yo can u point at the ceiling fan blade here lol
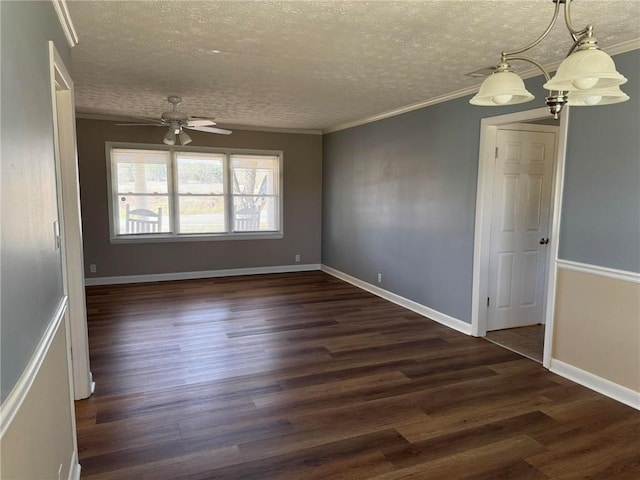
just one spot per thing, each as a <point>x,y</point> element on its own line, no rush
<point>221,131</point>
<point>139,125</point>
<point>200,122</point>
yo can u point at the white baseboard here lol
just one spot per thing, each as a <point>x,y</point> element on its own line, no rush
<point>74,468</point>
<point>599,384</point>
<point>232,272</point>
<point>420,309</point>
<point>20,390</point>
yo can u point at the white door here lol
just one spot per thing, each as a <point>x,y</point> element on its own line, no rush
<point>520,228</point>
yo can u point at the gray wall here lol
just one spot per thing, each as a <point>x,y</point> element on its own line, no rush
<point>31,270</point>
<point>601,205</point>
<point>302,207</point>
<point>399,195</point>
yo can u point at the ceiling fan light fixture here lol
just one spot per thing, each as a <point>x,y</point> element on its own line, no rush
<point>502,88</point>
<point>185,139</point>
<point>170,137</point>
<point>175,122</point>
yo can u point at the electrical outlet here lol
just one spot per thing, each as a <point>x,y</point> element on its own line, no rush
<point>379,278</point>
<point>92,268</point>
<point>297,257</point>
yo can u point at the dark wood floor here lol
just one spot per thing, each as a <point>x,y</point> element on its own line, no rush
<point>302,376</point>
<point>527,341</point>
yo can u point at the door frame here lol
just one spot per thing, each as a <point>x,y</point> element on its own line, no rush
<point>484,199</point>
<point>68,184</point>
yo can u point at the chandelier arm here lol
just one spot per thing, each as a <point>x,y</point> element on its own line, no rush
<point>575,44</point>
<point>532,61</point>
<point>540,38</point>
<point>572,30</point>
<point>542,69</point>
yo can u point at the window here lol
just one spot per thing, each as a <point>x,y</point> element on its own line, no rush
<point>166,193</point>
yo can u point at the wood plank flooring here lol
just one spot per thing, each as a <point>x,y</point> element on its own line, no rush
<point>527,341</point>
<point>302,376</point>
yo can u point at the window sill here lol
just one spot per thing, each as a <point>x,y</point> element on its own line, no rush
<point>196,238</point>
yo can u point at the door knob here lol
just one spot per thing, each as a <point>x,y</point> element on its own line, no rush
<point>544,241</point>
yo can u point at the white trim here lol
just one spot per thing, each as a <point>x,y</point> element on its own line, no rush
<point>525,74</point>
<point>66,23</point>
<point>20,390</point>
<point>400,110</point>
<point>554,236</point>
<point>482,236</point>
<point>623,47</point>
<point>232,272</point>
<point>606,272</point>
<point>211,237</point>
<point>420,309</point>
<point>74,467</point>
<point>68,191</point>
<point>601,385</point>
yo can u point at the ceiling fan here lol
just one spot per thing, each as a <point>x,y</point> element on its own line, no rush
<point>177,122</point>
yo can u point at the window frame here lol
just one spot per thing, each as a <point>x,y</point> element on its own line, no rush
<point>173,194</point>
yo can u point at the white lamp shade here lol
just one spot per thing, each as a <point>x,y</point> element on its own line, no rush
<point>502,88</point>
<point>584,70</point>
<point>597,96</point>
<point>169,138</point>
<point>185,139</point>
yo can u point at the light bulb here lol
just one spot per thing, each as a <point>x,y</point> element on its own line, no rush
<point>592,99</point>
<point>501,99</point>
<point>584,83</point>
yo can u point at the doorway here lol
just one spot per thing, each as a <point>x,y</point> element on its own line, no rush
<point>69,230</point>
<point>520,172</point>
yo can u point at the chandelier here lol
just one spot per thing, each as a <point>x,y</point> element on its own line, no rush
<point>586,77</point>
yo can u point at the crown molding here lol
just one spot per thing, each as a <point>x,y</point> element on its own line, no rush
<point>66,23</point>
<point>405,109</point>
<point>623,47</point>
<point>617,49</point>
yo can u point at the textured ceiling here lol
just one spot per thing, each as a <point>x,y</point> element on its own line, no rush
<point>308,64</point>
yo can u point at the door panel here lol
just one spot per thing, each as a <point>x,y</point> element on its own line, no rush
<point>534,203</point>
<point>505,279</point>
<point>529,276</point>
<point>520,219</point>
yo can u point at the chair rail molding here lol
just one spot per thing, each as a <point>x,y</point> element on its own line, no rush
<point>19,392</point>
<point>624,275</point>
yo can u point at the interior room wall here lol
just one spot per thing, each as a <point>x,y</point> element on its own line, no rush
<point>399,200</point>
<point>600,205</point>
<point>399,195</point>
<point>37,423</point>
<point>597,327</point>
<point>302,176</point>
<point>31,270</point>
